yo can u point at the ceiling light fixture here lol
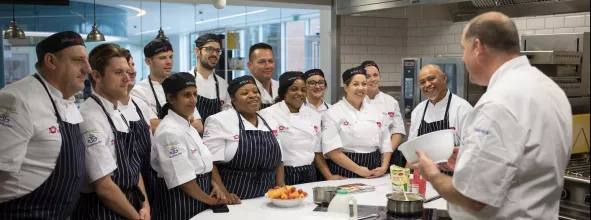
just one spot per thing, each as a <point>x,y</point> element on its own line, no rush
<point>13,31</point>
<point>95,35</point>
<point>161,32</point>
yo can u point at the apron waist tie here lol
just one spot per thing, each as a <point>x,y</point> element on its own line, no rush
<point>259,172</point>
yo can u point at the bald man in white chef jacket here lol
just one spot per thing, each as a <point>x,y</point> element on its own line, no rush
<point>516,142</point>
<point>442,110</point>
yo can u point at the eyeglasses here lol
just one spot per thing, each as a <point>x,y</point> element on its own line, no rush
<point>211,50</point>
<point>320,83</point>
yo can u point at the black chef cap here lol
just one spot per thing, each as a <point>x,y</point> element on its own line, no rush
<point>313,72</point>
<point>348,74</point>
<point>237,83</point>
<point>173,84</point>
<point>369,63</point>
<point>206,38</point>
<point>287,78</point>
<point>157,46</point>
<point>57,42</point>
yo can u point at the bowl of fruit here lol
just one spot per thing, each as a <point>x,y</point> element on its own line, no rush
<point>286,197</point>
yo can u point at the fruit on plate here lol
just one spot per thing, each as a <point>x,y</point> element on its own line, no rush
<point>286,193</point>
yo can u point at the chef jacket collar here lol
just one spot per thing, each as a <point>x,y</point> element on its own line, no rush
<point>443,100</point>
<point>56,94</point>
<point>177,118</point>
<point>518,62</point>
<point>285,109</point>
<point>362,109</point>
<point>110,107</point>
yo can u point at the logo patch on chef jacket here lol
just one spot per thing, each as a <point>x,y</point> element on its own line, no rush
<point>173,151</point>
<point>379,124</point>
<point>452,128</point>
<point>222,102</point>
<point>236,137</point>
<point>193,151</point>
<point>91,138</point>
<point>52,130</point>
<point>282,128</point>
<point>391,114</point>
<point>316,128</point>
<point>5,116</point>
<point>275,132</point>
<point>346,123</point>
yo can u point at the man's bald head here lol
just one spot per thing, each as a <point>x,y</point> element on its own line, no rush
<point>433,68</point>
<point>494,30</point>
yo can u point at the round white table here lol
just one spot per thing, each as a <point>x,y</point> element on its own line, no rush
<point>261,208</point>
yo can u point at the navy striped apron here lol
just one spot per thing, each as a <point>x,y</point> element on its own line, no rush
<point>319,176</point>
<point>251,173</point>
<point>175,204</point>
<point>207,107</point>
<point>126,176</point>
<point>370,160</point>
<point>158,106</point>
<point>426,128</point>
<point>56,198</point>
<point>141,130</point>
<point>300,175</point>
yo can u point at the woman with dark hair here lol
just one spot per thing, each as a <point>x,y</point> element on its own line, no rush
<point>299,129</point>
<point>244,144</point>
<point>355,137</point>
<point>180,157</point>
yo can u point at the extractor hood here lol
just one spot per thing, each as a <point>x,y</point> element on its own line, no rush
<point>457,10</point>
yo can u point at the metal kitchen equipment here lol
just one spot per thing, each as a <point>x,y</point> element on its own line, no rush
<point>457,82</point>
<point>398,205</point>
<point>565,59</point>
<point>323,194</point>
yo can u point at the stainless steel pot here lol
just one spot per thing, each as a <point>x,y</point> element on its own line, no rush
<point>324,194</point>
<point>397,204</point>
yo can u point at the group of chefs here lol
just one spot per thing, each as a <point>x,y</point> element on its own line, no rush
<point>176,144</point>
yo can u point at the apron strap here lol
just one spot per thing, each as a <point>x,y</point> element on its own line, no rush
<point>108,116</point>
<point>158,106</point>
<point>217,86</point>
<point>57,114</point>
<point>446,117</point>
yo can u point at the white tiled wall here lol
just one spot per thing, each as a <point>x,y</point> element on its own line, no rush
<point>382,40</point>
<point>387,41</point>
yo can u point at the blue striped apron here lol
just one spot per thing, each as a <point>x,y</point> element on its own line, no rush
<point>426,128</point>
<point>208,107</point>
<point>129,159</point>
<point>370,160</point>
<point>142,131</point>
<point>175,204</point>
<point>251,173</point>
<point>300,175</point>
<point>56,198</point>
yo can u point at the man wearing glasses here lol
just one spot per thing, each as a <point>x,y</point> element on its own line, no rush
<point>316,87</point>
<point>212,95</point>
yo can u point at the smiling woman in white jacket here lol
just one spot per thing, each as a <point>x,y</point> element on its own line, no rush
<point>355,136</point>
<point>299,129</point>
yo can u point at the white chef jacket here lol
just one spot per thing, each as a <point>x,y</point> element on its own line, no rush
<point>30,135</point>
<point>515,147</point>
<point>180,154</point>
<point>458,110</point>
<point>99,139</point>
<point>363,131</point>
<point>265,97</point>
<point>130,113</point>
<point>391,110</point>
<point>142,91</point>
<point>321,109</point>
<point>206,88</point>
<point>221,133</point>
<point>299,133</point>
